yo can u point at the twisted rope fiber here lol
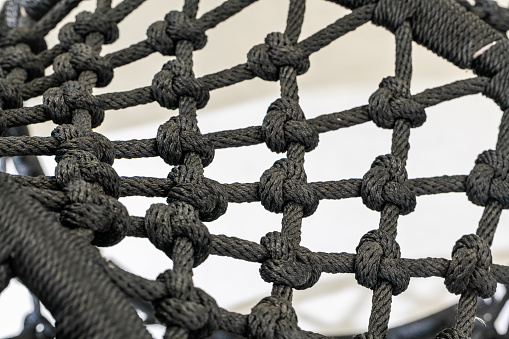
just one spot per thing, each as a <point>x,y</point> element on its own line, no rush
<point>57,258</point>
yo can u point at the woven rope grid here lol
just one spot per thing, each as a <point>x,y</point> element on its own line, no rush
<point>85,188</point>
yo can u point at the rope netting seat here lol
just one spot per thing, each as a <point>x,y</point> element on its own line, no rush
<point>51,226</point>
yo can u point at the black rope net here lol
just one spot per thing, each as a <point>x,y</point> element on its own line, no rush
<point>50,225</point>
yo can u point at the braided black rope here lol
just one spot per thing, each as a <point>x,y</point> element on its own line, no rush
<point>57,258</point>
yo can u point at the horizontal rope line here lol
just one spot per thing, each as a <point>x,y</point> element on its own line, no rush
<point>334,263</point>
<point>48,188</point>
<point>309,46</point>
<point>15,146</point>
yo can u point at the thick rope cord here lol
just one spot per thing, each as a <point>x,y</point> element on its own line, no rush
<point>39,252</point>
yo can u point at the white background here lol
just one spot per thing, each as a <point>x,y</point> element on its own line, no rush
<point>343,75</point>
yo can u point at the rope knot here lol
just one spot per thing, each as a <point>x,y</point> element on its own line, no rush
<point>450,333</point>
<point>181,27</point>
<point>470,267</point>
<point>276,245</point>
<point>489,179</point>
<point>285,123</point>
<point>300,273</point>
<point>198,313</point>
<point>177,284</point>
<point>175,81</point>
<point>87,23</point>
<point>273,318</point>
<point>68,36</point>
<point>24,35</point>
<point>95,143</point>
<point>175,141</point>
<point>60,102</point>
<point>105,215</point>
<point>393,13</point>
<point>392,101</point>
<point>166,223</point>
<point>81,58</point>
<point>386,182</point>
<point>286,182</point>
<point>205,195</point>
<point>21,56</point>
<point>159,39</point>
<point>266,59</point>
<point>65,132</point>
<point>10,95</point>
<point>376,260</point>
<point>82,165</point>
<point>163,36</point>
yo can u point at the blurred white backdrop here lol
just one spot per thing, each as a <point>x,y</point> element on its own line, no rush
<point>343,75</point>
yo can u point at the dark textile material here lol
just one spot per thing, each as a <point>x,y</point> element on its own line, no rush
<point>49,226</point>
